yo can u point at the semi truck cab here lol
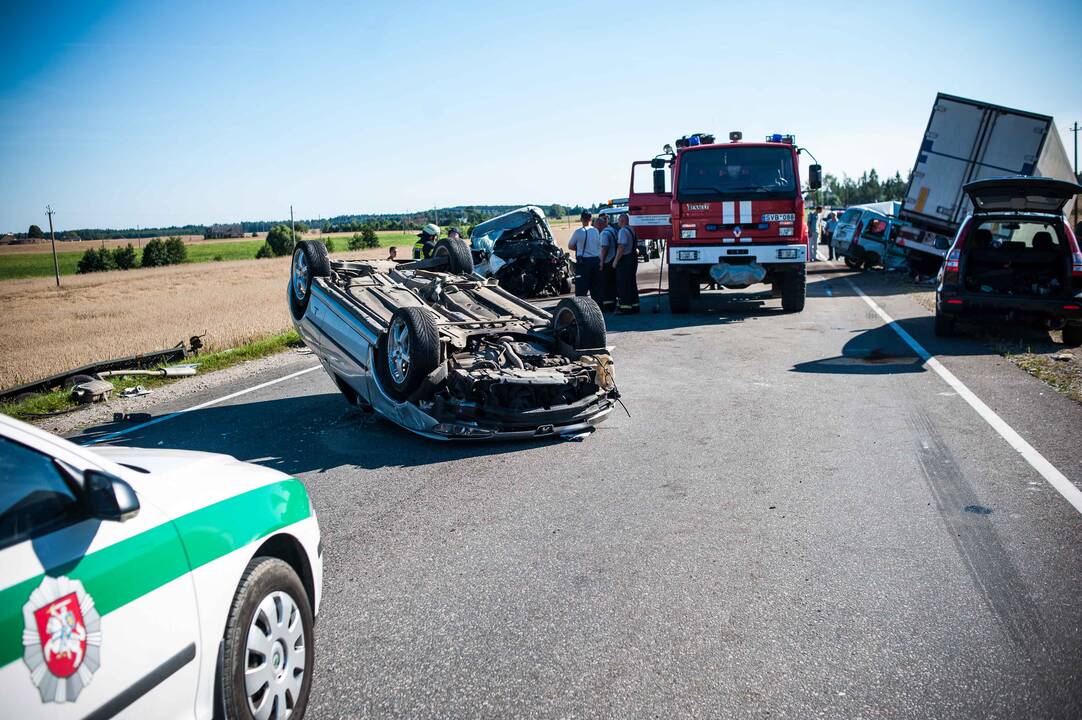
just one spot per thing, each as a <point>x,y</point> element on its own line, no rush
<point>730,214</point>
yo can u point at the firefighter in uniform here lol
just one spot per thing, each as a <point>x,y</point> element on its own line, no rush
<point>608,272</point>
<point>426,241</point>
<point>626,265</point>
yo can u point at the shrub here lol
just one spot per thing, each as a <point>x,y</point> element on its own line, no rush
<point>124,257</point>
<point>330,244</point>
<point>369,239</point>
<point>281,240</point>
<point>356,242</point>
<point>264,251</point>
<point>35,232</point>
<point>96,261</point>
<point>217,258</point>
<point>175,250</point>
<point>154,254</point>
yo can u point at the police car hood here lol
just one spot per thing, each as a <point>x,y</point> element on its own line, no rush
<point>179,481</point>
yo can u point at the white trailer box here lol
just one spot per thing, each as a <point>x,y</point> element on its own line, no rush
<point>968,140</point>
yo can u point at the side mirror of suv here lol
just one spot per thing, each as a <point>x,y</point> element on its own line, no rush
<point>815,176</point>
<point>107,497</point>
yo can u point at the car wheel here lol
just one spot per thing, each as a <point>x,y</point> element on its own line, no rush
<point>1072,335</point>
<point>578,322</point>
<point>944,325</point>
<point>679,291</point>
<point>310,261</point>
<point>852,263</point>
<point>457,254</point>
<point>268,651</point>
<point>794,290</point>
<point>411,349</point>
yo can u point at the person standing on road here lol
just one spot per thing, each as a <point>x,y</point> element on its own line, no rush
<point>815,229</point>
<point>609,241</point>
<point>586,242</point>
<point>426,241</point>
<point>626,265</point>
<point>828,233</point>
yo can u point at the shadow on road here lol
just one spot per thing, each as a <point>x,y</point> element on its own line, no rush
<point>302,433</point>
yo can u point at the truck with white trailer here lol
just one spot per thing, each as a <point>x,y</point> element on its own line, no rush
<point>969,140</point>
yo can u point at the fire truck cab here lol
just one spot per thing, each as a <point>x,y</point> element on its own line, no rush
<point>729,214</point>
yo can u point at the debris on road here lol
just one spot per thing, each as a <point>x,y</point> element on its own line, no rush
<point>92,391</point>
<point>1063,356</point>
<point>137,391</point>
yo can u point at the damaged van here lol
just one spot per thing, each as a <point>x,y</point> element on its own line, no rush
<point>1015,258</point>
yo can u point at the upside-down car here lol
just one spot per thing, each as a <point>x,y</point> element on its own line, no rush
<point>447,354</point>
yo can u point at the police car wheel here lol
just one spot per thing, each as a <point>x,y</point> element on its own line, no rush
<point>268,648</point>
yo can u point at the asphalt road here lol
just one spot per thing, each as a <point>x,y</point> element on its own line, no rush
<point>799,519</point>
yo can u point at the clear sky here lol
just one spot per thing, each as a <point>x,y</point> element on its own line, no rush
<point>153,113</point>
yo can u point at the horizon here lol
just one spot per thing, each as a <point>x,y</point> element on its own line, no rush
<point>169,115</point>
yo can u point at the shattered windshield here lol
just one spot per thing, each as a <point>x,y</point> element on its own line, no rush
<point>713,173</point>
<point>527,222</point>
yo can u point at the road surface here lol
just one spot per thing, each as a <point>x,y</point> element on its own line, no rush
<point>801,518</point>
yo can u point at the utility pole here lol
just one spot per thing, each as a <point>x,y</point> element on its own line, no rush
<point>437,212</point>
<point>1075,128</point>
<point>292,231</point>
<point>52,235</point>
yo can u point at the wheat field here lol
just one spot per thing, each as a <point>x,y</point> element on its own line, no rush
<point>47,330</point>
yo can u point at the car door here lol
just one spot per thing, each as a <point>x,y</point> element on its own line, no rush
<point>97,617</point>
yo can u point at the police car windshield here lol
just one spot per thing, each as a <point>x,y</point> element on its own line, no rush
<point>729,171</point>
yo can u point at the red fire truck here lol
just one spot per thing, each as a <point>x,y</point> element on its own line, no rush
<point>730,214</point>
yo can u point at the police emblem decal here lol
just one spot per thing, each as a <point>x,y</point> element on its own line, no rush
<point>61,638</point>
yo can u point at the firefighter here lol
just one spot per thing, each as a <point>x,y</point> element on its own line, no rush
<point>608,273</point>
<point>426,241</point>
<point>626,265</point>
<point>586,243</point>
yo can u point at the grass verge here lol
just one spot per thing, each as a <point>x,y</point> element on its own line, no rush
<point>60,401</point>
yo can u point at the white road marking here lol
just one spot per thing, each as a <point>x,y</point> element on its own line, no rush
<point>200,406</point>
<point>1047,470</point>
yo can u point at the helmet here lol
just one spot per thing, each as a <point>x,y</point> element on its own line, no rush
<point>431,229</point>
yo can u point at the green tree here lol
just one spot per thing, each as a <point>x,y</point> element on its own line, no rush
<point>555,211</point>
<point>154,254</point>
<point>124,257</point>
<point>281,240</point>
<point>175,250</point>
<point>330,244</point>
<point>35,232</point>
<point>369,239</point>
<point>356,242</point>
<point>94,260</point>
<point>264,251</point>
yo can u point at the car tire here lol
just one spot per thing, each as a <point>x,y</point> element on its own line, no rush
<point>679,291</point>
<point>410,349</point>
<point>578,322</point>
<point>944,325</point>
<point>457,253</point>
<point>794,290</point>
<point>852,263</point>
<point>310,260</point>
<point>270,601</point>
<point>1072,335</point>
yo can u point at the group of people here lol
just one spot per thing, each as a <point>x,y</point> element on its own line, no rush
<point>821,227</point>
<point>606,263</point>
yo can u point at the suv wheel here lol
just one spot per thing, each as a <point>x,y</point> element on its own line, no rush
<point>1072,335</point>
<point>944,325</point>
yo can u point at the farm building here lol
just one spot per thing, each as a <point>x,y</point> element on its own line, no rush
<point>214,232</point>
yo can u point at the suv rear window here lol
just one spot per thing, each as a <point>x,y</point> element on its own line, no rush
<point>1020,235</point>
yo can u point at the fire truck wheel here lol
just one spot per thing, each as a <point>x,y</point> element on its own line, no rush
<point>679,291</point>
<point>793,291</point>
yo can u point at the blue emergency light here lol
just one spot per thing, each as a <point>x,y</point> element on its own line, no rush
<point>776,137</point>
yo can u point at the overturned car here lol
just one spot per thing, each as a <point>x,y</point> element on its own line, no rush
<point>517,248</point>
<point>446,354</point>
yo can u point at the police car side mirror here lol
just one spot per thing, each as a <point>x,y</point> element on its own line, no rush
<point>107,497</point>
<point>815,176</point>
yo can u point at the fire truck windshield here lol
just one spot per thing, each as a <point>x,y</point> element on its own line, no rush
<point>714,173</point>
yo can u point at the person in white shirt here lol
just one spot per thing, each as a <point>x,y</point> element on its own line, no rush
<point>815,229</point>
<point>586,243</point>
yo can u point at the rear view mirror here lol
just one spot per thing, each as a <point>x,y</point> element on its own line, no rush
<point>815,176</point>
<point>107,497</point>
<point>657,163</point>
<point>659,181</point>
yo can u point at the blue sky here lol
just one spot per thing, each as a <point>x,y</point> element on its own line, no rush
<point>122,114</point>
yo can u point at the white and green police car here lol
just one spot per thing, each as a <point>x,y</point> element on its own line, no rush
<point>152,583</point>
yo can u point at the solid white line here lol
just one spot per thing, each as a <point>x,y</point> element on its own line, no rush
<point>200,406</point>
<point>1046,469</point>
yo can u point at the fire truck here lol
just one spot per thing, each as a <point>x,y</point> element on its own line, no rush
<point>730,215</point>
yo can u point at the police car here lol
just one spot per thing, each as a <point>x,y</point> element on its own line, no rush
<point>152,583</point>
